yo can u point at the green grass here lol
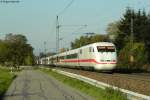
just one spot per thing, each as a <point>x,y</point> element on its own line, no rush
<point>97,93</point>
<point>5,80</point>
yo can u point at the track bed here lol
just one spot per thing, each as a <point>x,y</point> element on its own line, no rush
<point>137,82</point>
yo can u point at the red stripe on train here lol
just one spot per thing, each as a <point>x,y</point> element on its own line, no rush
<point>90,60</point>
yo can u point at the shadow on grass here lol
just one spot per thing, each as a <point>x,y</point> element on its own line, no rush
<point>2,94</point>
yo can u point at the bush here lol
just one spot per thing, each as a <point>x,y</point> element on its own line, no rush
<point>138,59</point>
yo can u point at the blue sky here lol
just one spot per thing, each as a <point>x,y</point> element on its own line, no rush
<point>36,19</point>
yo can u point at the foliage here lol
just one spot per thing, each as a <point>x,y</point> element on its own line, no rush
<point>112,30</point>
<point>137,51</point>
<point>121,29</point>
<point>97,93</point>
<point>62,50</point>
<point>84,40</point>
<point>29,60</point>
<point>15,50</point>
<point>5,80</point>
<point>3,51</point>
<point>141,29</point>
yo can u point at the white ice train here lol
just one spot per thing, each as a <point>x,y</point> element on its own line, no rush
<point>98,56</point>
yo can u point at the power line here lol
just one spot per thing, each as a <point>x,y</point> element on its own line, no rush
<point>83,26</point>
<point>73,25</point>
<point>58,26</point>
<point>66,7</point>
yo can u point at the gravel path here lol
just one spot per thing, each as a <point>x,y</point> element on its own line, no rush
<point>36,85</point>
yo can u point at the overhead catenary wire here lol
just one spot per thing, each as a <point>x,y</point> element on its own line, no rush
<point>65,8</point>
<point>84,26</point>
<point>58,26</point>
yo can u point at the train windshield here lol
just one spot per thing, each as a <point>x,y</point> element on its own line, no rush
<point>106,48</point>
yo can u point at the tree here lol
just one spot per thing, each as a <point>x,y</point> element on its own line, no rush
<point>16,38</point>
<point>4,50</point>
<point>85,40</point>
<point>124,27</point>
<point>139,53</point>
<point>19,52</point>
<point>113,31</point>
<point>29,60</point>
<point>141,29</point>
<point>63,50</point>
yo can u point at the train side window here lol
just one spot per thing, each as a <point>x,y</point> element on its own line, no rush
<point>80,51</point>
<point>93,49</point>
<point>61,57</point>
<point>57,58</point>
<point>65,57</point>
<point>72,56</point>
<point>90,49</point>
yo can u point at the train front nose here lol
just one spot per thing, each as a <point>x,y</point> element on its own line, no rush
<point>106,58</point>
<point>106,66</point>
<point>107,61</point>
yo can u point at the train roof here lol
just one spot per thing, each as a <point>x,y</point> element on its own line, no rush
<point>89,45</point>
<point>98,44</point>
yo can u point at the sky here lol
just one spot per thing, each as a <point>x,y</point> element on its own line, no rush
<point>36,19</point>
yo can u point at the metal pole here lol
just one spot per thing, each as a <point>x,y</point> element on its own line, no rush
<point>57,34</point>
<point>131,39</point>
<point>45,51</point>
<point>45,47</point>
<point>131,30</point>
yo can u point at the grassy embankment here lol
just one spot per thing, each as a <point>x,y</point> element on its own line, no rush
<point>5,80</point>
<point>99,94</point>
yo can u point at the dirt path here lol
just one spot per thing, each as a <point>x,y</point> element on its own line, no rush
<point>36,85</point>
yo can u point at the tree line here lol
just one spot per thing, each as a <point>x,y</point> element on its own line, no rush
<point>133,49</point>
<point>15,51</point>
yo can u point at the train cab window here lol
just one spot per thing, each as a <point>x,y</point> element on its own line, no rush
<point>106,48</point>
<point>101,48</point>
<point>110,49</point>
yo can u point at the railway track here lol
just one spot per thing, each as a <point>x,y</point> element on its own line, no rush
<point>137,82</point>
<point>135,76</point>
